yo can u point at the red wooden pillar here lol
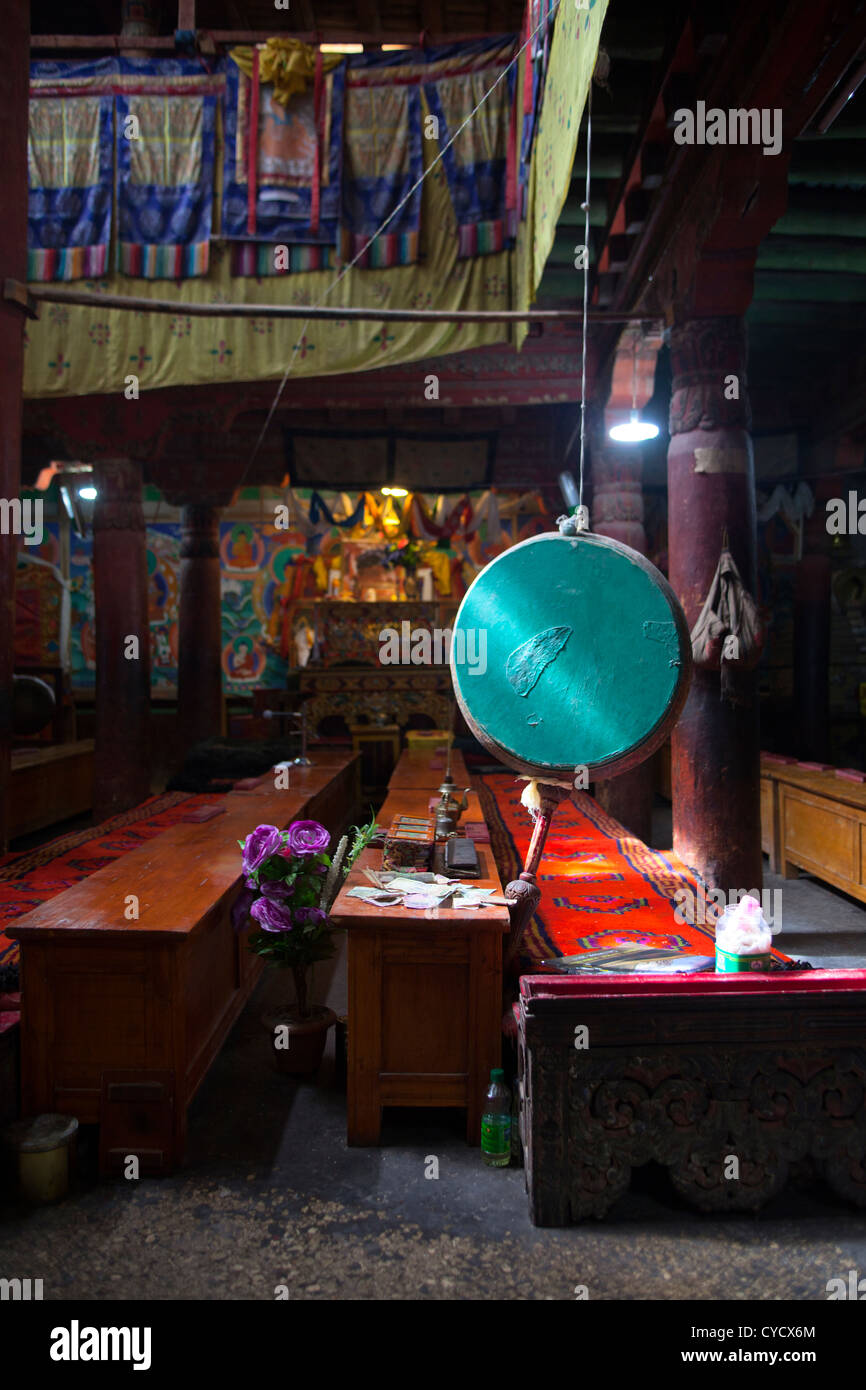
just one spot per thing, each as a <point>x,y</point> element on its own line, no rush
<point>617,511</point>
<point>199,676</point>
<point>14,84</point>
<point>122,762</point>
<point>711,491</point>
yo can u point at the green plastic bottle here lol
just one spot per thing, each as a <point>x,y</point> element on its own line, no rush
<point>496,1122</point>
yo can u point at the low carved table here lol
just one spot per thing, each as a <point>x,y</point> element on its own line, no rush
<point>727,1081</point>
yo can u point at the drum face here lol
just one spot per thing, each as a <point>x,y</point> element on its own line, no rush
<point>570,652</point>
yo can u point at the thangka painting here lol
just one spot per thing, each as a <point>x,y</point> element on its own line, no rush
<point>163,570</point>
<point>253,562</point>
<point>254,559</point>
<point>39,617</point>
<point>163,580</point>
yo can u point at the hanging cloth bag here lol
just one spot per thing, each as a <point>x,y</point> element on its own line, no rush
<point>729,631</point>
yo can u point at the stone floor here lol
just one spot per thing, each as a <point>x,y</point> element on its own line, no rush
<point>271,1196</point>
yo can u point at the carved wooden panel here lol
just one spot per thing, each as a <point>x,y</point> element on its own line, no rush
<point>728,1119</point>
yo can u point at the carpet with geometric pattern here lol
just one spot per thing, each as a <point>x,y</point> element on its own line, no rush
<point>600,886</point>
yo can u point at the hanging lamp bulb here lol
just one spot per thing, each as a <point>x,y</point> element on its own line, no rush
<point>635,431</point>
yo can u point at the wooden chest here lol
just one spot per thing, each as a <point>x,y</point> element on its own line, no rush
<point>727,1081</point>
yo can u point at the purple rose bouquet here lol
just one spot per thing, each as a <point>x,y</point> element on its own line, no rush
<point>290,882</point>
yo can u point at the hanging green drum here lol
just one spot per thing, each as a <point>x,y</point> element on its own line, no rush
<point>570,651</point>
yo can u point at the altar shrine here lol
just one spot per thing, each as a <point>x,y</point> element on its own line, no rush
<point>432,651</point>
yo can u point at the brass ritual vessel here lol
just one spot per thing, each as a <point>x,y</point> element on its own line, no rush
<point>449,810</point>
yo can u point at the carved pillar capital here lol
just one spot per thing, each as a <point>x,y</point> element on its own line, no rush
<point>710,387</point>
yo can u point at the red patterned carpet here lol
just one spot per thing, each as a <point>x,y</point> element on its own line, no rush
<point>600,886</point>
<point>29,878</point>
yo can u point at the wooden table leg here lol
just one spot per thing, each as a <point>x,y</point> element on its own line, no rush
<point>363,1103</point>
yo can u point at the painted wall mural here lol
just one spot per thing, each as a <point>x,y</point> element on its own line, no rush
<point>254,559</point>
<point>270,577</point>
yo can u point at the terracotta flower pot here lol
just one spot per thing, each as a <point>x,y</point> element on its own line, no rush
<point>306,1038</point>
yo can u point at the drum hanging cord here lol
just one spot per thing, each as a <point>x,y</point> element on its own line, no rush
<point>578,520</point>
<point>582,511</point>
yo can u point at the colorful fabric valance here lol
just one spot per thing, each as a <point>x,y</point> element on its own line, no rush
<point>165,172</point>
<point>164,116</point>
<point>70,351</point>
<point>263,258</point>
<point>71,170</point>
<point>383,163</point>
<point>283,161</point>
<point>480,164</point>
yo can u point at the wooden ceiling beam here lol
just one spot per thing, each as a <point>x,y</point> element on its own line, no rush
<point>369,18</point>
<point>498,16</point>
<point>305,14</point>
<point>756,68</point>
<point>16,292</point>
<point>432,19</point>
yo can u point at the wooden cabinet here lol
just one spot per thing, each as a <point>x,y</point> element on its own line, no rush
<point>815,821</point>
<point>425,1004</point>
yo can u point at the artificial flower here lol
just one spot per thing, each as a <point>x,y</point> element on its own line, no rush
<point>306,837</point>
<point>309,915</point>
<point>260,844</point>
<point>271,916</point>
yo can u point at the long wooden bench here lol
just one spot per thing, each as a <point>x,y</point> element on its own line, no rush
<point>419,770</point>
<point>814,820</point>
<point>122,1015</point>
<point>43,780</point>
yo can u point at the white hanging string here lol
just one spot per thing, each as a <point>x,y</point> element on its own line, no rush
<point>403,201</point>
<point>585,288</point>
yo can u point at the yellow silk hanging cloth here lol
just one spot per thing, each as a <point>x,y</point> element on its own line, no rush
<point>288,64</point>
